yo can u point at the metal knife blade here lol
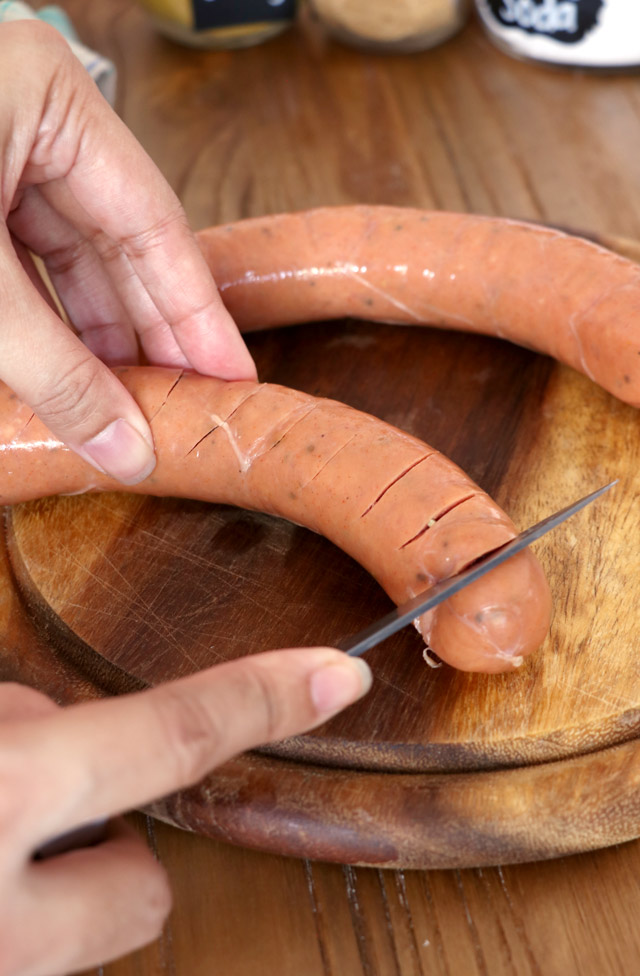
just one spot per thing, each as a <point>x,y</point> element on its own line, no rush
<point>367,638</point>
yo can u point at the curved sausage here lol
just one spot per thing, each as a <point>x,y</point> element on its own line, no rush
<point>535,286</point>
<point>401,509</point>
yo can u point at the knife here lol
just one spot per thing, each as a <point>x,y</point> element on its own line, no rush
<point>365,639</point>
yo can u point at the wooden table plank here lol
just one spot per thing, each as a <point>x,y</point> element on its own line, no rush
<point>247,914</point>
<point>280,127</point>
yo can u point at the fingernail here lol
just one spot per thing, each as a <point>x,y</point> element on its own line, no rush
<point>337,685</point>
<point>121,452</point>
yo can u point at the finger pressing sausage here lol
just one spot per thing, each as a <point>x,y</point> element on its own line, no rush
<point>73,393</point>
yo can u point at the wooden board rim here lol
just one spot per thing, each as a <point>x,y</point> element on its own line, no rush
<point>418,821</point>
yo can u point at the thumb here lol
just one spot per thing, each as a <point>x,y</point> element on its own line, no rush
<point>72,392</point>
<point>113,755</point>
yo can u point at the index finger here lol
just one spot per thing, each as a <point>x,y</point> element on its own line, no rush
<point>106,757</point>
<point>122,190</point>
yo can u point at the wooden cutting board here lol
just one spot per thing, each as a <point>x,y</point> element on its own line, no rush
<point>434,767</point>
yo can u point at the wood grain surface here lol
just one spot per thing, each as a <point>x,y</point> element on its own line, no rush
<point>291,125</point>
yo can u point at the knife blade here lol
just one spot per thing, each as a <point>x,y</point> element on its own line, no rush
<point>365,639</point>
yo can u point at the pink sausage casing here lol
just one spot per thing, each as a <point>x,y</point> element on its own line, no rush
<point>536,286</point>
<point>400,508</point>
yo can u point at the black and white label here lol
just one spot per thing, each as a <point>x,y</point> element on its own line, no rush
<point>208,14</point>
<point>567,21</point>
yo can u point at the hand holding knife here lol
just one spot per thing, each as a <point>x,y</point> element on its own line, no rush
<point>367,638</point>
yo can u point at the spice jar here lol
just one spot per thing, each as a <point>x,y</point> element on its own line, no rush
<point>392,25</point>
<point>220,23</point>
<point>601,34</point>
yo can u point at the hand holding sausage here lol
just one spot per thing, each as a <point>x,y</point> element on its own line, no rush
<point>78,190</point>
<point>396,505</point>
<point>60,768</point>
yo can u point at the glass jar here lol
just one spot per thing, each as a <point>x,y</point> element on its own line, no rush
<point>602,34</point>
<point>392,25</point>
<point>220,23</point>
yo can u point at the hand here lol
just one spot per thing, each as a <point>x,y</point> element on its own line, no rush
<point>79,191</point>
<point>60,768</point>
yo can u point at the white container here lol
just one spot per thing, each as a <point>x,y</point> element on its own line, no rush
<point>583,33</point>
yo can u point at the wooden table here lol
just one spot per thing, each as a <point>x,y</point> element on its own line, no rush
<point>295,124</point>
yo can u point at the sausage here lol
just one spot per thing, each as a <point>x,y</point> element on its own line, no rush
<point>538,287</point>
<point>399,507</point>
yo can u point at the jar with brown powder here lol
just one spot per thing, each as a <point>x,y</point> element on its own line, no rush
<point>392,25</point>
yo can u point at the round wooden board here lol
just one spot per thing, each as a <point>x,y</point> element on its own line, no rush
<point>135,591</point>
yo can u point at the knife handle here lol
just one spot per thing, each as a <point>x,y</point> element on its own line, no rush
<point>88,835</point>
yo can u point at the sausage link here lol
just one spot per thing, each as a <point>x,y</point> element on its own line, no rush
<point>400,508</point>
<point>536,286</point>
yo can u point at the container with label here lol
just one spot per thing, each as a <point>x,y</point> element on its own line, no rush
<point>220,23</point>
<point>393,25</point>
<point>601,34</point>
